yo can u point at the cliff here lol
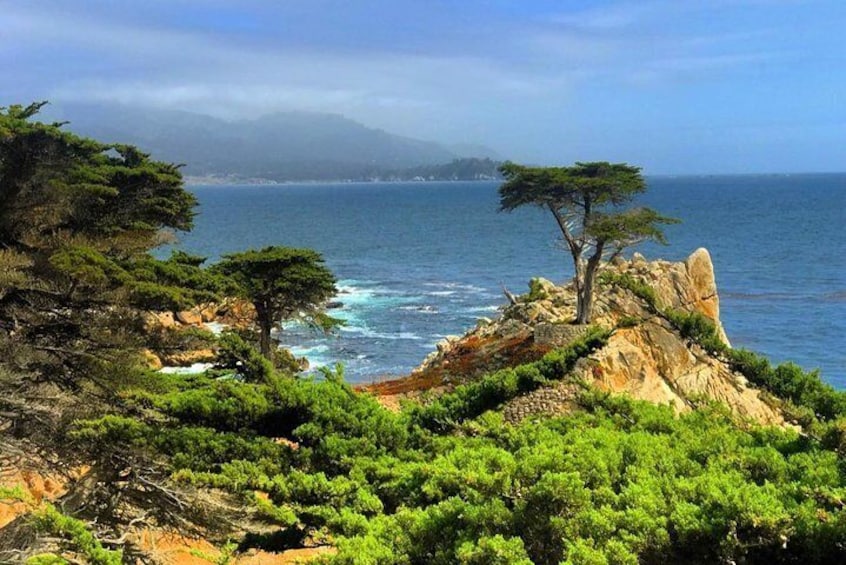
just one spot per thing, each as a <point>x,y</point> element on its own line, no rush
<point>646,357</point>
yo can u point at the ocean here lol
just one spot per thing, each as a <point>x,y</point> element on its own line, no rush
<point>419,261</point>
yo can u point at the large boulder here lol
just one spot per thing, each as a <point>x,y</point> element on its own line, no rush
<point>645,357</point>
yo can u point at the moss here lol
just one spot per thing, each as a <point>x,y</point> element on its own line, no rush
<point>15,494</point>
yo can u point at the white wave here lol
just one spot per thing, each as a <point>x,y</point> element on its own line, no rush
<point>457,286</point>
<point>368,333</point>
<point>359,298</point>
<point>192,370</point>
<point>307,351</point>
<point>423,309</point>
<point>480,309</point>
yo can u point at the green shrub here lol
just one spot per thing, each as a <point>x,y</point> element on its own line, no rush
<point>471,400</point>
<point>237,354</point>
<point>698,328</point>
<point>50,520</point>
<point>636,287</point>
<point>618,481</point>
<point>46,559</point>
<point>789,382</point>
<point>628,322</point>
<point>536,291</point>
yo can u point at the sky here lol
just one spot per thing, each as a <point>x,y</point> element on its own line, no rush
<point>675,86</point>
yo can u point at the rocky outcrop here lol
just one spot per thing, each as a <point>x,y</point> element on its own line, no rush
<point>231,313</point>
<point>645,357</point>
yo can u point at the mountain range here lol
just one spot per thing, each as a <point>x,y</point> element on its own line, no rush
<point>284,146</point>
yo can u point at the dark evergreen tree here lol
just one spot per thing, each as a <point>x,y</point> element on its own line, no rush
<point>282,283</point>
<point>77,218</point>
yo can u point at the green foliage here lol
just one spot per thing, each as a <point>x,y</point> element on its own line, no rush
<point>77,218</point>
<point>176,283</point>
<point>600,183</point>
<point>495,550</point>
<point>235,353</point>
<point>536,291</point>
<point>628,322</point>
<point>46,559</point>
<point>585,200</point>
<point>51,179</point>
<point>698,328</point>
<point>788,381</point>
<point>471,400</point>
<point>636,287</point>
<point>282,283</point>
<point>51,521</point>
<point>15,494</point>
<point>619,481</point>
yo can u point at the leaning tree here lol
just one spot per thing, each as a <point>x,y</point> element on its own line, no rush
<point>282,283</point>
<point>588,202</point>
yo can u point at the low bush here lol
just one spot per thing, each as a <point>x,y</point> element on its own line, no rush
<point>636,287</point>
<point>51,521</point>
<point>471,400</point>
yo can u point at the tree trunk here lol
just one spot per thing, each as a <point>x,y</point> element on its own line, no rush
<point>584,294</point>
<point>265,322</point>
<point>579,283</point>
<point>264,340</point>
<point>584,302</point>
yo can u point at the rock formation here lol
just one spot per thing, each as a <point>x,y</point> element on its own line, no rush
<point>645,357</point>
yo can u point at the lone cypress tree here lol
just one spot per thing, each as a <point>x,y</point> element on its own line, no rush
<point>586,201</point>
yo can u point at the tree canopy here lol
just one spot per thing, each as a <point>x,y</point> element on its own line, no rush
<point>282,283</point>
<point>586,201</point>
<point>77,219</point>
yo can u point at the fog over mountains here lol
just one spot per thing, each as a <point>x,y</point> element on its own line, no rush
<point>287,146</point>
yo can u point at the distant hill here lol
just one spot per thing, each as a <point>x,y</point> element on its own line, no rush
<point>470,168</point>
<point>287,146</point>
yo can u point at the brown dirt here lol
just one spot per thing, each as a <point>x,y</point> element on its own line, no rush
<point>37,487</point>
<point>290,557</point>
<point>172,548</point>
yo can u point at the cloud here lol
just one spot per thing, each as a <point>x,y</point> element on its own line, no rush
<point>530,76</point>
<point>171,63</point>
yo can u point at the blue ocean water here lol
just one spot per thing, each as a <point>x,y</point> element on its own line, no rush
<point>417,262</point>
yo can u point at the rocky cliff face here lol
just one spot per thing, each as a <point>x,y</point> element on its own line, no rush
<point>645,357</point>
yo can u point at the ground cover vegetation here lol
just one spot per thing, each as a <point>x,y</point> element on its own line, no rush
<point>444,480</point>
<point>616,481</point>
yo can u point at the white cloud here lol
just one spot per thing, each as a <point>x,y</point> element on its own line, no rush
<point>526,82</point>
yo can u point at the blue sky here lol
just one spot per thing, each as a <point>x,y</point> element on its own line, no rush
<point>676,86</point>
